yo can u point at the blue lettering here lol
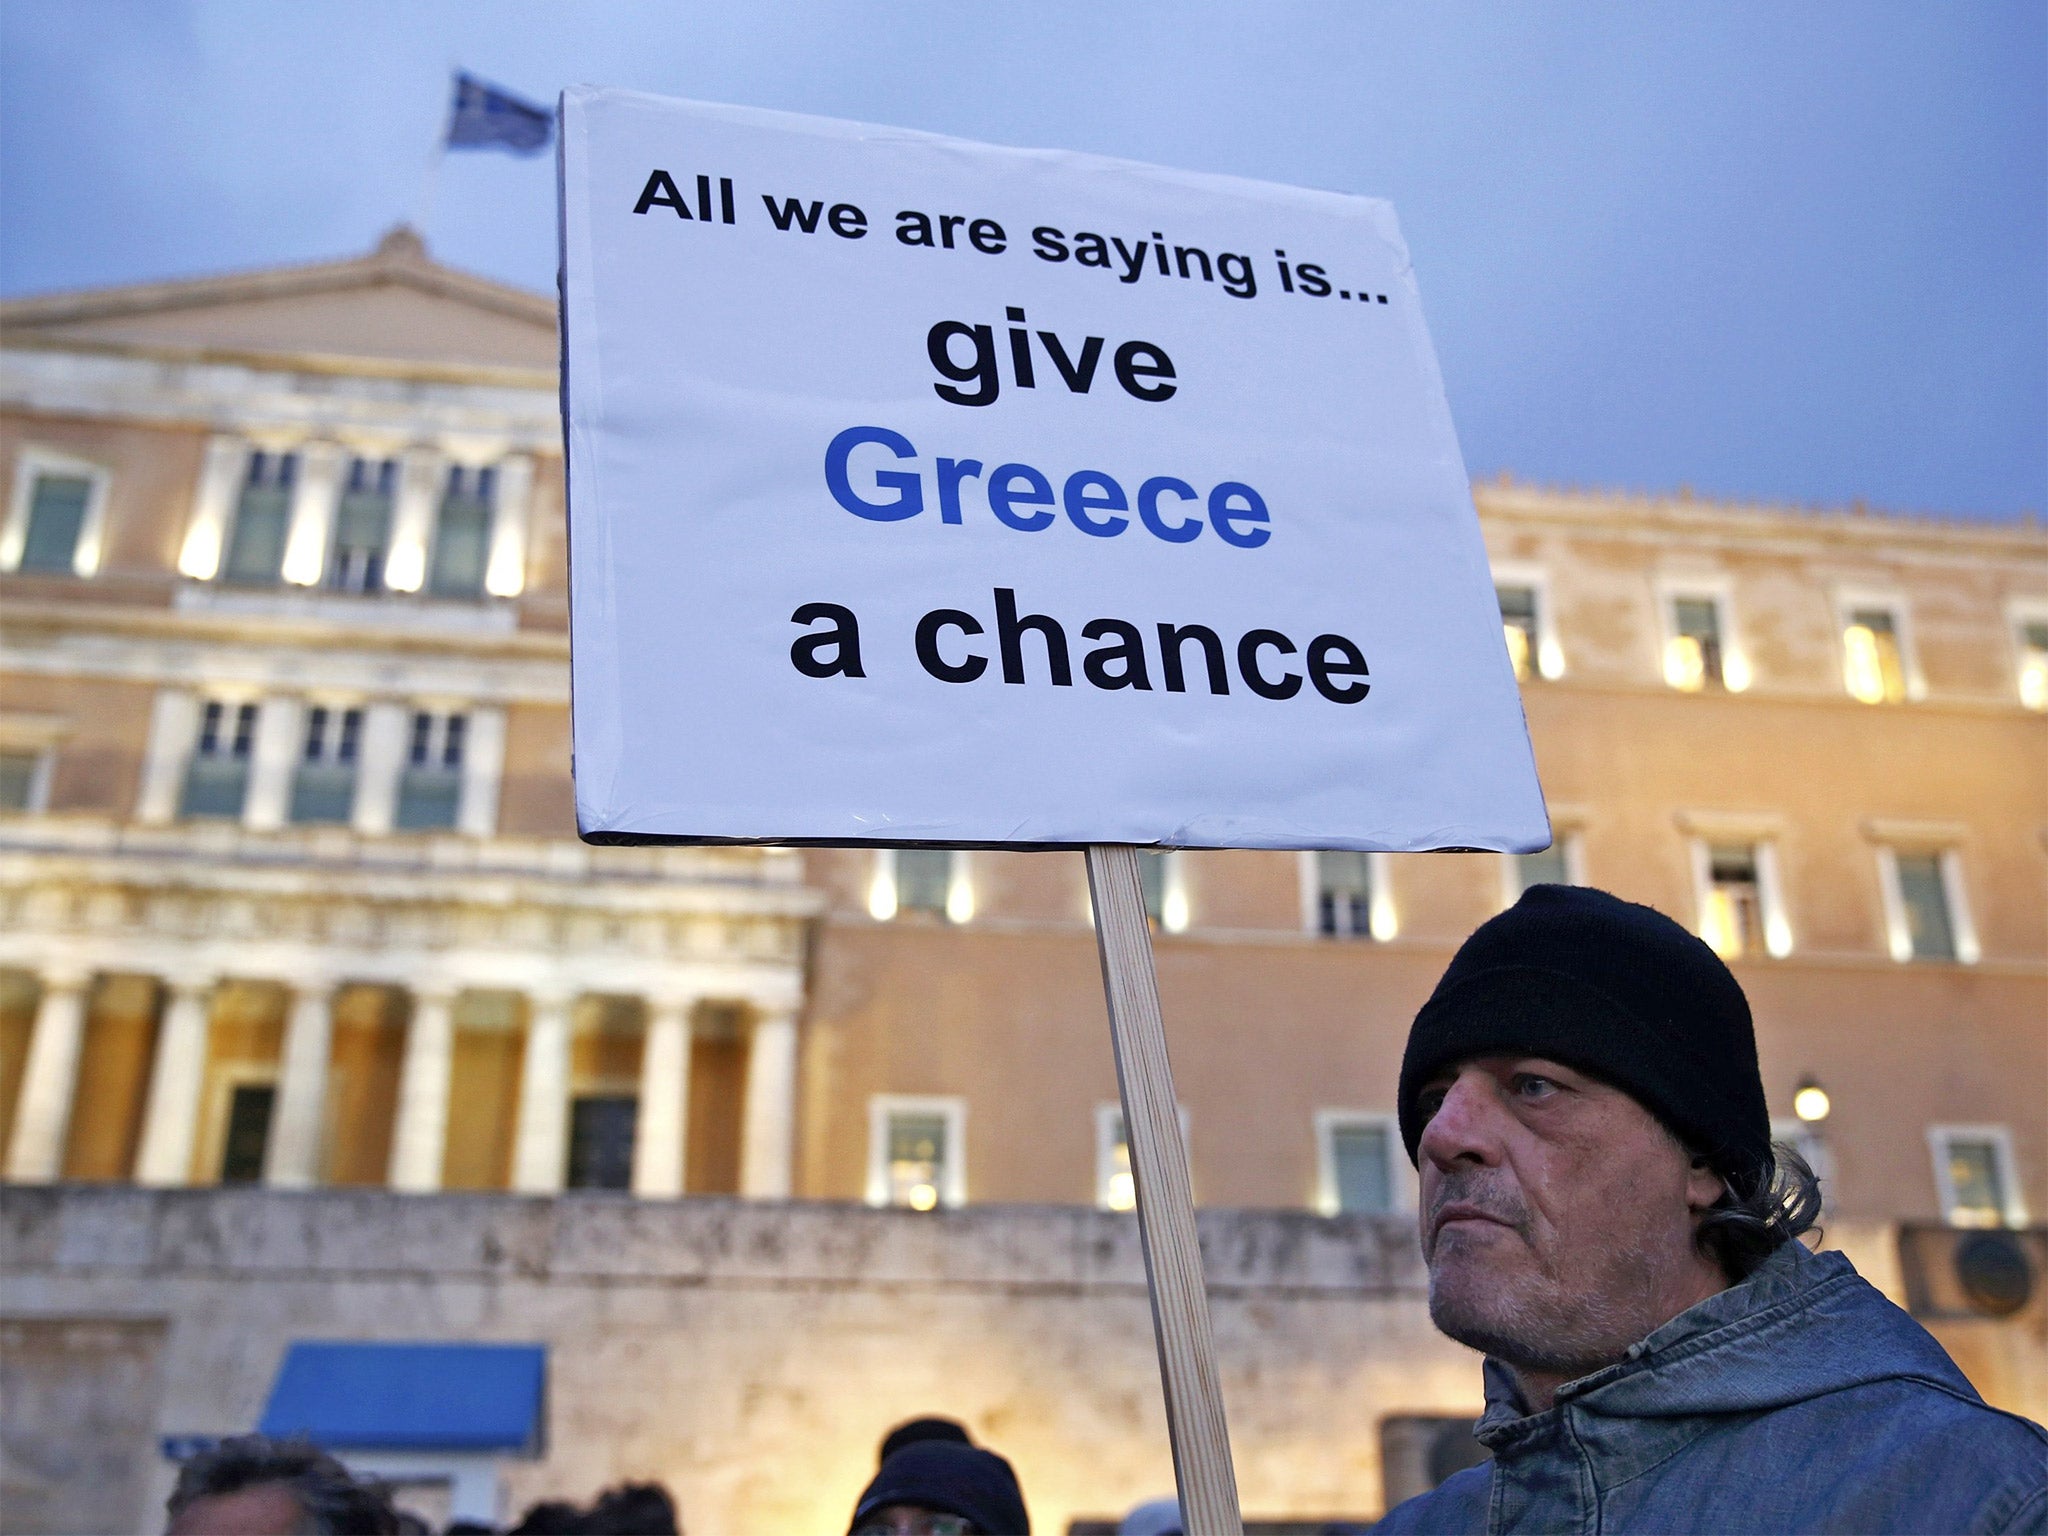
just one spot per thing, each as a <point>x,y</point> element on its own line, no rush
<point>1225,516</point>
<point>1001,498</point>
<point>1110,499</point>
<point>1148,509</point>
<point>908,486</point>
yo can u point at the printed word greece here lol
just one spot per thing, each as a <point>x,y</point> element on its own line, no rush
<point>1021,497</point>
<point>946,650</point>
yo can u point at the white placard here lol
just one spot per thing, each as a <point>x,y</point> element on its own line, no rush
<point>1137,488</point>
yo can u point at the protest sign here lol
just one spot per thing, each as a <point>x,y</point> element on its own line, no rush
<point>926,491</point>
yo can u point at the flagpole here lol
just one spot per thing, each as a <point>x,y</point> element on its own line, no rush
<point>430,180</point>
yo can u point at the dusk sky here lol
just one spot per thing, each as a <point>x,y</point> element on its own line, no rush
<point>1771,253</point>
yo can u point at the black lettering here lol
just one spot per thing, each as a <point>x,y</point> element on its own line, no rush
<point>1323,672</point>
<point>1134,260</point>
<point>1138,360</point>
<point>1090,250</point>
<point>938,346</point>
<point>1181,253</point>
<point>1288,684</point>
<point>725,200</point>
<point>1172,636</point>
<point>987,237</point>
<point>847,221</point>
<point>660,192</point>
<point>913,228</point>
<point>1048,244</point>
<point>808,654</point>
<point>948,222</point>
<point>793,212</point>
<point>1311,278</point>
<point>928,657</point>
<point>704,198</point>
<point>1078,376</point>
<point>1129,650</point>
<point>1010,637</point>
<point>1020,350</point>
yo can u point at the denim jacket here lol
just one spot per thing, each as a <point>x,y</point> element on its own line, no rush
<point>1799,1400</point>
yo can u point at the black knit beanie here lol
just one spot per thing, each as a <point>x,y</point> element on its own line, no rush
<point>952,1479</point>
<point>1615,990</point>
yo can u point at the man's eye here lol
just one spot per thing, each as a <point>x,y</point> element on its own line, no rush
<point>1530,1086</point>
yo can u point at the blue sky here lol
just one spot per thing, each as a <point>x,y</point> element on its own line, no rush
<point>1768,252</point>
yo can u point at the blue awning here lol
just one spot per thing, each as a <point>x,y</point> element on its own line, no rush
<point>412,1397</point>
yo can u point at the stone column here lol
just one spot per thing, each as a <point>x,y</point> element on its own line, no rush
<point>173,732</point>
<point>421,1134</point>
<point>206,533</point>
<point>49,1079</point>
<point>170,1122</point>
<point>315,493</point>
<point>661,1132</point>
<point>768,1132</point>
<point>273,760</point>
<point>379,764</point>
<point>540,1147</point>
<point>292,1158</point>
<point>483,765</point>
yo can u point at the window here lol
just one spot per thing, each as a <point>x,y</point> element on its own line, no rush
<point>362,526</point>
<point>262,518</point>
<point>462,541</point>
<point>217,778</point>
<point>248,1133</point>
<point>1116,1189</point>
<point>1731,909</point>
<point>1346,895</point>
<point>53,520</point>
<point>2032,636</point>
<point>324,787</point>
<point>601,1141</point>
<point>24,779</point>
<point>933,880</point>
<point>1873,655</point>
<point>916,1152</point>
<point>1518,624</point>
<point>1360,1164</point>
<point>1973,1174</point>
<point>430,788</point>
<point>1925,916</point>
<point>1163,882</point>
<point>1692,654</point>
<point>1556,865</point>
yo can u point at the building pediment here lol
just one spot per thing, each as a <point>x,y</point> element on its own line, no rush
<point>395,305</point>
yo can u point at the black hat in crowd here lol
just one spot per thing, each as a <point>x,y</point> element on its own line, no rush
<point>1615,990</point>
<point>922,1429</point>
<point>950,1479</point>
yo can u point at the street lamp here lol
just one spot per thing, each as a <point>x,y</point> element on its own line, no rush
<point>1810,1101</point>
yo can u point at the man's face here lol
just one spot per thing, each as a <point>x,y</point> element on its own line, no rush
<point>1557,1215</point>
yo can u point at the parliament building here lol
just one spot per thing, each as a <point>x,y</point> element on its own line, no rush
<point>318,1022</point>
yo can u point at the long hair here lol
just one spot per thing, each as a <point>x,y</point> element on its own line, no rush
<point>1740,1231</point>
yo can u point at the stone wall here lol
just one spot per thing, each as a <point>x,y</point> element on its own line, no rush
<point>748,1355</point>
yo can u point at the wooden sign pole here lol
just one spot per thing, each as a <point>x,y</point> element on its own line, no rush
<point>1166,1206</point>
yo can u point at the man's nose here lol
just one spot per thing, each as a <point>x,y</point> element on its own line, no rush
<point>1463,1128</point>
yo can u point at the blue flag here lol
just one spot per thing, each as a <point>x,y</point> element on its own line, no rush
<point>485,117</point>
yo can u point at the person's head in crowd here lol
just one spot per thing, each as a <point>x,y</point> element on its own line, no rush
<point>922,1429</point>
<point>550,1517</point>
<point>1582,1100</point>
<point>252,1485</point>
<point>942,1487</point>
<point>1156,1517</point>
<point>632,1509</point>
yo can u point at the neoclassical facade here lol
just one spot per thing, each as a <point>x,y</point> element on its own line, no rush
<point>290,895</point>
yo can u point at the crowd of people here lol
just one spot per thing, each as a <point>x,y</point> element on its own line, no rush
<point>1605,1217</point>
<point>932,1480</point>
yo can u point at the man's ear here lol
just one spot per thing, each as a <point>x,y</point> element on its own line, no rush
<point>1703,1187</point>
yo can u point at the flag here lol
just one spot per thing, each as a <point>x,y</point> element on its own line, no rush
<point>485,117</point>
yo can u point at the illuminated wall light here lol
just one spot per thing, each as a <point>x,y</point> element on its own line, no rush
<point>1518,648</point>
<point>1736,675</point>
<point>405,565</point>
<point>922,1197</point>
<point>1173,910</point>
<point>1384,921</point>
<point>1550,659</point>
<point>882,888</point>
<point>959,893</point>
<point>2034,681</point>
<point>200,556</point>
<point>1121,1193</point>
<point>1685,665</point>
<point>1810,1101</point>
<point>1718,927</point>
<point>1862,666</point>
<point>1778,935</point>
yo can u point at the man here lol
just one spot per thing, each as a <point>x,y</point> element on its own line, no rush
<point>942,1487</point>
<point>1603,1214</point>
<point>254,1486</point>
